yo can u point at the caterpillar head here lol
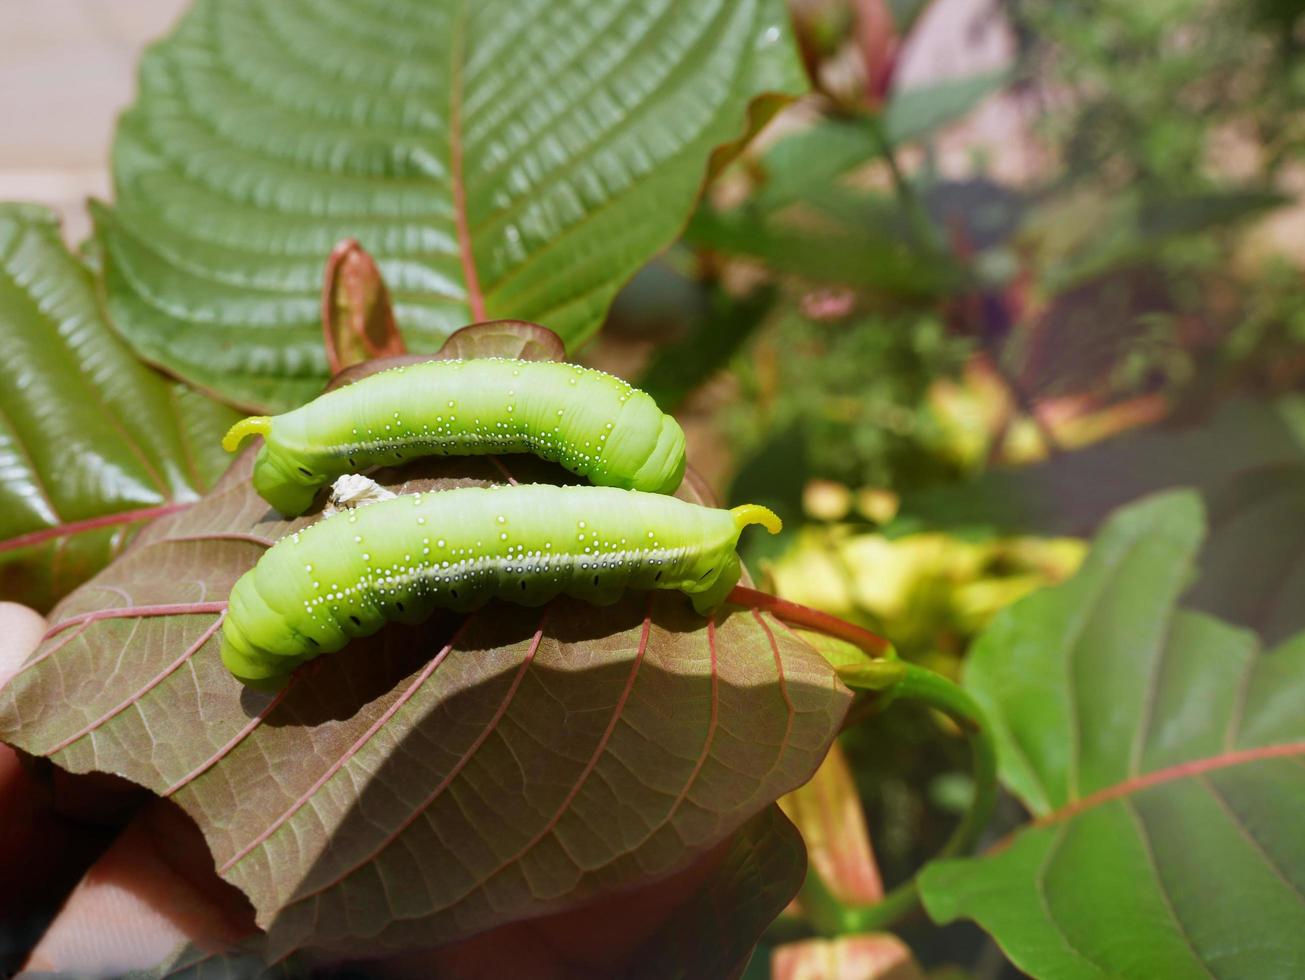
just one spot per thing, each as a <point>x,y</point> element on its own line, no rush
<point>283,482</point>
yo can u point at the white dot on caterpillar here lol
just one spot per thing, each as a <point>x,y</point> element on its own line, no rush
<point>421,520</point>
<point>502,519</point>
<point>503,536</point>
<point>440,543</point>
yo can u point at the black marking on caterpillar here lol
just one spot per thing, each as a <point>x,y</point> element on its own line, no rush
<point>592,423</point>
<point>400,559</point>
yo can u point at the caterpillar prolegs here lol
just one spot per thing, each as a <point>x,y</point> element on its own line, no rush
<point>592,423</point>
<point>400,559</point>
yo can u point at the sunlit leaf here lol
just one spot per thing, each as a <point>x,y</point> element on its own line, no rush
<point>499,159</point>
<point>1160,754</point>
<point>92,443</point>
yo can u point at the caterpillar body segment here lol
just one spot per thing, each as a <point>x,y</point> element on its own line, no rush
<point>400,559</point>
<point>592,423</point>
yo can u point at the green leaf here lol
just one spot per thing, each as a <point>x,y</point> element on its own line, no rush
<point>1160,754</point>
<point>430,782</point>
<point>499,159</point>
<point>916,112</point>
<point>808,161</point>
<point>864,256</point>
<point>92,443</point>
<point>1132,228</point>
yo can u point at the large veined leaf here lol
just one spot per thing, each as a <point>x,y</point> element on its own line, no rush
<point>505,158</point>
<point>428,783</point>
<point>92,443</point>
<point>1160,754</point>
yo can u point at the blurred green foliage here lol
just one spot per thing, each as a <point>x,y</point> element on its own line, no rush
<point>856,390</point>
<point>923,338</point>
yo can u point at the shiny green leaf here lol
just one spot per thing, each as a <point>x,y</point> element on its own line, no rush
<point>1160,753</point>
<point>92,443</point>
<point>508,158</point>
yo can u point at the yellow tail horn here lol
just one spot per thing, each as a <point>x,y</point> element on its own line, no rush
<point>259,425</point>
<point>756,514</point>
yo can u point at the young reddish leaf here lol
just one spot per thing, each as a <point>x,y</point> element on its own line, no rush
<point>827,810</point>
<point>518,339</point>
<point>878,40</point>
<point>427,783</point>
<point>701,921</point>
<point>879,956</point>
<point>496,338</point>
<point>357,319</point>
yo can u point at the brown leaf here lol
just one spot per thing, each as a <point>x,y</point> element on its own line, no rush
<point>428,783</point>
<point>517,339</point>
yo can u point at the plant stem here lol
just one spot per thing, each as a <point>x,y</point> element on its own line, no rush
<point>906,195</point>
<point>800,615</point>
<point>827,913</point>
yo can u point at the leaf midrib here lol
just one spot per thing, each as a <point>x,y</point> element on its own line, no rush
<point>1192,768</point>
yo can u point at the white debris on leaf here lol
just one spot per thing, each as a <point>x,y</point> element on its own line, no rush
<point>353,490</point>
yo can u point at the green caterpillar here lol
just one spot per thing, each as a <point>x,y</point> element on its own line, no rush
<point>400,559</point>
<point>592,423</point>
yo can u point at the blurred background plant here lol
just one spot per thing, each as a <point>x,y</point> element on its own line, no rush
<point>943,325</point>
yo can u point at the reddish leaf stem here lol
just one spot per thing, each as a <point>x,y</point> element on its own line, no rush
<point>1182,770</point>
<point>814,619</point>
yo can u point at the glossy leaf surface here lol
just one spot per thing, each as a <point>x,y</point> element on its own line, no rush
<point>1160,754</point>
<point>92,443</point>
<point>499,159</point>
